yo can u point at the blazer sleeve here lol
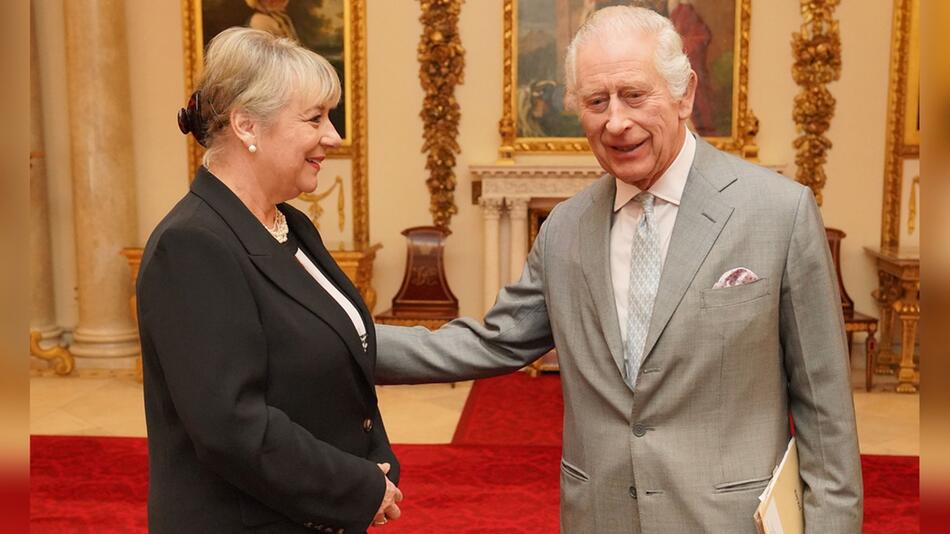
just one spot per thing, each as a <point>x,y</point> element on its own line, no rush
<point>199,312</point>
<point>516,331</point>
<point>816,364</point>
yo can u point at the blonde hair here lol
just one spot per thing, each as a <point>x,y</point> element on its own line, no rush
<point>620,22</point>
<point>258,72</point>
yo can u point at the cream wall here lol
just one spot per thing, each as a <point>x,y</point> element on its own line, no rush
<point>398,197</point>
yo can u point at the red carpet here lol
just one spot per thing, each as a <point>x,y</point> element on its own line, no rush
<point>100,485</point>
<point>513,409</point>
<point>499,475</point>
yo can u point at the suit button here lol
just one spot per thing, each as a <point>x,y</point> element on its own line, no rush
<point>639,430</point>
<point>367,425</point>
<point>633,492</point>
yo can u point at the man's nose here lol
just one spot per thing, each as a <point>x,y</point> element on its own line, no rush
<point>617,120</point>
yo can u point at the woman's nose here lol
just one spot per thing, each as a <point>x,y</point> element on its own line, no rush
<point>332,138</point>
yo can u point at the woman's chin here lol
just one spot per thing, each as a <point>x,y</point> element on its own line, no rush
<point>308,186</point>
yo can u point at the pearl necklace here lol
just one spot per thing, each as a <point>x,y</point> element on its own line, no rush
<point>280,229</point>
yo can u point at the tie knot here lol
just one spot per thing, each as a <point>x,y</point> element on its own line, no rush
<point>646,200</point>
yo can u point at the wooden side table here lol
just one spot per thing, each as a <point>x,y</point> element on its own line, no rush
<point>898,295</point>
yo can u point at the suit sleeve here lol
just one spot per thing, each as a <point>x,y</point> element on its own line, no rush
<point>515,332</point>
<point>199,312</point>
<point>816,362</point>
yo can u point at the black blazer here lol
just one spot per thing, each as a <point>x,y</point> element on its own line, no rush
<point>259,397</point>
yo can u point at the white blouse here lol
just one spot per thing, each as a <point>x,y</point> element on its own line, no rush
<point>337,295</point>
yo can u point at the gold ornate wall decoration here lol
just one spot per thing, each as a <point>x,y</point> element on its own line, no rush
<point>902,140</point>
<point>816,50</point>
<point>65,362</point>
<point>441,68</point>
<point>354,145</point>
<point>912,206</point>
<point>316,210</point>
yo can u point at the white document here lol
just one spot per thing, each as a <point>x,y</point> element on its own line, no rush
<point>781,506</point>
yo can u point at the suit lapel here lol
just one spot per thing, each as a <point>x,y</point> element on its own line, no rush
<point>699,221</point>
<point>595,263</point>
<point>283,269</point>
<point>311,242</point>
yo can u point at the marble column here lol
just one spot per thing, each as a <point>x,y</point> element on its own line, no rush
<point>518,218</point>
<point>491,213</point>
<point>97,68</point>
<point>42,305</point>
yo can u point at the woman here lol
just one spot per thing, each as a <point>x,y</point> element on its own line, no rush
<point>258,352</point>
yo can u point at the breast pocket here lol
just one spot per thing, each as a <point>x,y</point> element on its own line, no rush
<point>722,297</point>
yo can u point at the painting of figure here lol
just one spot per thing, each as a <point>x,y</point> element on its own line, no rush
<point>320,25</point>
<point>545,27</point>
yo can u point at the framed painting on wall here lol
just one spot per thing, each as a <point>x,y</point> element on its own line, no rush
<point>537,33</point>
<point>900,217</point>
<point>335,29</point>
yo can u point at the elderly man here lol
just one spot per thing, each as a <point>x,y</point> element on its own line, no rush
<point>694,307</point>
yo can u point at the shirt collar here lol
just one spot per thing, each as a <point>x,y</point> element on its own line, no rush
<point>671,184</point>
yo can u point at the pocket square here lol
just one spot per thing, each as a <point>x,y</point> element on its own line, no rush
<point>736,277</point>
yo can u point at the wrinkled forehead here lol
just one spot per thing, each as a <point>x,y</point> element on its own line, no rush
<point>616,59</point>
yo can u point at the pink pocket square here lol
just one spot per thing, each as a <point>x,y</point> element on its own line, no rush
<point>736,277</point>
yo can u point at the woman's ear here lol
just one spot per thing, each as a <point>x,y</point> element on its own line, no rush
<point>244,127</point>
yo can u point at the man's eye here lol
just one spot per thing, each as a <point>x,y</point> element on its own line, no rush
<point>316,119</point>
<point>596,103</point>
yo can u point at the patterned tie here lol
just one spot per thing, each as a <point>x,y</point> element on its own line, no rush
<point>644,281</point>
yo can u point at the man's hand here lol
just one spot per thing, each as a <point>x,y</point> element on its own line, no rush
<point>389,508</point>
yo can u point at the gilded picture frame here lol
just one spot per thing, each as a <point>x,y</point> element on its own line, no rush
<point>902,144</point>
<point>533,117</point>
<point>344,45</point>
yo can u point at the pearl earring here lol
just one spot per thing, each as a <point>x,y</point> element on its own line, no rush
<point>252,148</point>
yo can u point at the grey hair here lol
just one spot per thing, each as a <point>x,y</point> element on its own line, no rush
<point>258,72</point>
<point>620,22</point>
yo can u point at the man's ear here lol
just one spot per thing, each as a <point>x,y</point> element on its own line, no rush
<point>244,127</point>
<point>686,102</point>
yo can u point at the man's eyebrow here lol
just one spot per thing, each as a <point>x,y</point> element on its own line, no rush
<point>590,92</point>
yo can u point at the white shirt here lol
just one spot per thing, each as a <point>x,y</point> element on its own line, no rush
<point>668,191</point>
<point>337,295</point>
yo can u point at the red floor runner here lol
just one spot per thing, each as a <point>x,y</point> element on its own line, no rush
<point>499,475</point>
<point>100,485</point>
<point>513,409</point>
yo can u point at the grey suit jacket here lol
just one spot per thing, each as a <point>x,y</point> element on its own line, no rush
<point>693,446</point>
